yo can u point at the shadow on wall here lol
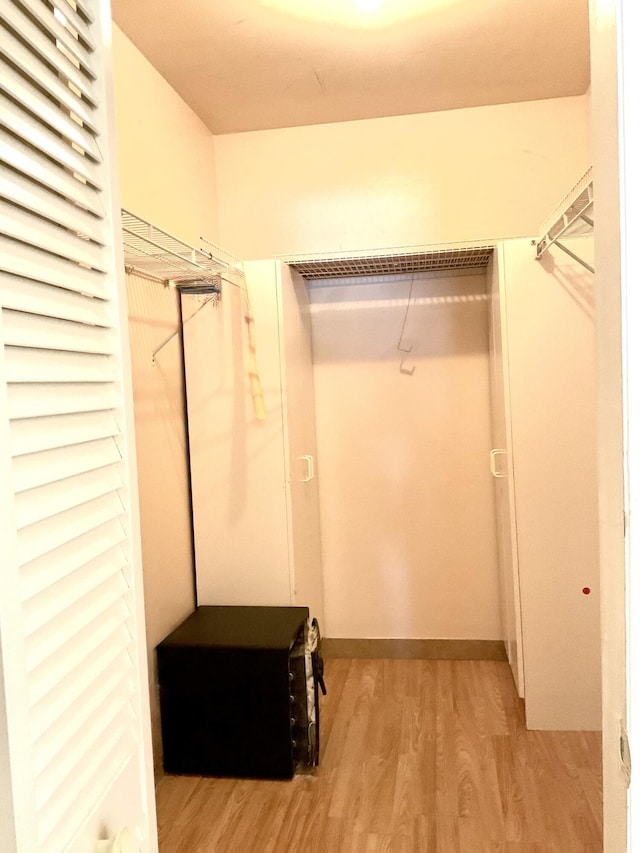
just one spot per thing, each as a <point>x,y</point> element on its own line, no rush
<point>162,469</point>
<point>403,416</point>
<point>236,472</point>
<point>220,402</point>
<point>396,313</point>
<point>578,285</point>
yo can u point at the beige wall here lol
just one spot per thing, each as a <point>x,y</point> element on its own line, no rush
<point>165,517</point>
<point>167,176</point>
<point>464,174</point>
<point>166,156</point>
<point>406,495</point>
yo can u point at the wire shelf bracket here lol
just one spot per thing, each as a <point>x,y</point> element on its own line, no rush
<point>573,217</point>
<point>155,254</point>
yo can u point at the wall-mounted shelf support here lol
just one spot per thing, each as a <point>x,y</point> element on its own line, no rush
<point>153,253</point>
<point>150,251</point>
<point>574,256</point>
<point>173,334</point>
<point>573,217</point>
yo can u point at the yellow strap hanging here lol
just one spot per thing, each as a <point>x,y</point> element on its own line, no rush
<point>252,362</point>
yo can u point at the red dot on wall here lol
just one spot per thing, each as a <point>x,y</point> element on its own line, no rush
<point>586,590</point>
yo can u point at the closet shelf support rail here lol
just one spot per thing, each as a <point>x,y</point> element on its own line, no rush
<point>569,218</point>
<point>574,256</point>
<point>163,257</point>
<point>177,331</point>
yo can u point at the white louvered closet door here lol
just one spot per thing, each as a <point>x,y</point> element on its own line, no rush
<point>74,732</point>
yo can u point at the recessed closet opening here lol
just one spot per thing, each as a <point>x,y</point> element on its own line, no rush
<point>401,374</point>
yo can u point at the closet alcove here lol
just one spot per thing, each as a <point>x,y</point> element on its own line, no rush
<point>425,473</point>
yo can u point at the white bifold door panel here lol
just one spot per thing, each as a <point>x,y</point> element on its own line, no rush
<point>301,471</point>
<point>254,482</point>
<point>75,753</point>
<point>547,323</point>
<point>501,467</point>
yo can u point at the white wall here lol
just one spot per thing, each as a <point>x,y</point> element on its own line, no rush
<point>550,316</point>
<point>162,474</point>
<point>464,174</point>
<point>406,495</point>
<point>167,176</point>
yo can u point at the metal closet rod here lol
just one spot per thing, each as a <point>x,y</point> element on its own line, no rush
<point>173,334</point>
<point>574,256</point>
<point>215,297</point>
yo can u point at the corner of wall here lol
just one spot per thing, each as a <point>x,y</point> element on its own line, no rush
<point>165,152</point>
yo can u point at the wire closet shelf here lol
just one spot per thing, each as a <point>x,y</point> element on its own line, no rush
<point>156,254</point>
<point>438,258</point>
<point>572,217</point>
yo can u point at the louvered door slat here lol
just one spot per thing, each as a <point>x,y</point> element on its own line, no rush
<point>31,331</point>
<point>89,639</point>
<point>29,162</point>
<point>55,567</point>
<point>30,262</point>
<point>32,297</point>
<point>48,113</point>
<point>23,226</point>
<point>44,536</point>
<point>37,199</point>
<point>64,494</point>
<point>81,681</point>
<point>29,436</point>
<point>77,22</point>
<point>45,16</point>
<point>38,400</point>
<point>30,64</point>
<point>27,127</point>
<point>52,602</point>
<point>59,773</point>
<point>49,466</point>
<point>25,365</point>
<point>54,744</point>
<point>85,10</point>
<point>46,49</point>
<point>98,610</point>
<point>38,545</point>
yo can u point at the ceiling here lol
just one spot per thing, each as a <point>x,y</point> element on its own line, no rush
<point>258,64</point>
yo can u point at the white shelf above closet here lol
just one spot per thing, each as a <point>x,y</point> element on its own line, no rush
<point>467,257</point>
<point>154,253</point>
<point>572,217</point>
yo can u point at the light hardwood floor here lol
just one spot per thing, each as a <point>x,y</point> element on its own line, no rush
<point>417,757</point>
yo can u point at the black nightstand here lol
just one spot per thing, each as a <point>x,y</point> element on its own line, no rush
<point>229,686</point>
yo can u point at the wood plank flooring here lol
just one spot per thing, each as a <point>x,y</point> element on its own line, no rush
<point>417,757</point>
